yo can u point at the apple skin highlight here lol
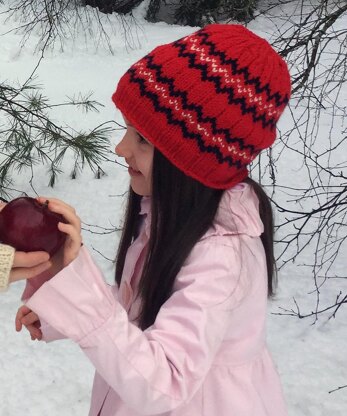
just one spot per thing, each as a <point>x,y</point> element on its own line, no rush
<point>27,225</point>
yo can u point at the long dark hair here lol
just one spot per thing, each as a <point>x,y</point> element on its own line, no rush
<point>177,223</point>
<point>267,237</point>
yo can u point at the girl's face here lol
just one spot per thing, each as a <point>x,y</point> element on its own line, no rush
<point>138,153</point>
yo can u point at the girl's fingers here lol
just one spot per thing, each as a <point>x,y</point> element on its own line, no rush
<point>70,217</point>
<point>30,318</point>
<point>72,244</point>
<point>22,311</point>
<point>18,324</point>
<point>72,228</point>
<point>43,199</point>
<point>35,332</point>
<point>37,337</point>
<point>67,213</point>
<point>72,232</point>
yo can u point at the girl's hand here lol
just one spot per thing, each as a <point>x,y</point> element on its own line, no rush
<point>73,240</point>
<point>30,320</point>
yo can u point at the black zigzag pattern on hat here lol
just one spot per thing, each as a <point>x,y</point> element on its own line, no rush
<point>174,92</point>
<point>198,109</point>
<point>180,123</point>
<point>229,91</point>
<point>279,100</point>
<point>216,79</point>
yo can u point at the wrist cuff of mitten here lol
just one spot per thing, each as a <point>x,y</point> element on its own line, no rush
<point>6,262</point>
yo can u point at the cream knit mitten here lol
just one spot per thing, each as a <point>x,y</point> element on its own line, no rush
<point>6,261</point>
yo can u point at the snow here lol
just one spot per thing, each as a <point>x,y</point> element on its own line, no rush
<point>55,379</point>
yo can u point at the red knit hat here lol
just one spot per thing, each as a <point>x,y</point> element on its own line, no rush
<point>209,101</point>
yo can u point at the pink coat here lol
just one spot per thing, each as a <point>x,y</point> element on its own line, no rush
<point>206,353</point>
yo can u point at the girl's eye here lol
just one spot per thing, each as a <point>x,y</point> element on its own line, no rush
<point>142,139</point>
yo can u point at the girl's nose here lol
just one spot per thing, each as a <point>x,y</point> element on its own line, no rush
<point>122,149</point>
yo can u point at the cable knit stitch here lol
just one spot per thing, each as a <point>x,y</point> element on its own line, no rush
<point>6,261</point>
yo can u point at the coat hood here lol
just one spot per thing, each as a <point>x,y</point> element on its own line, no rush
<point>238,213</point>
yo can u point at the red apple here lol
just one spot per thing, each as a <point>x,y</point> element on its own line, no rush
<point>27,225</point>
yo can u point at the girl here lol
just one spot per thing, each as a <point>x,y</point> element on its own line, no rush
<point>182,333</point>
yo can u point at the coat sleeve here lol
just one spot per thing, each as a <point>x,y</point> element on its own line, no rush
<point>34,283</point>
<point>158,369</point>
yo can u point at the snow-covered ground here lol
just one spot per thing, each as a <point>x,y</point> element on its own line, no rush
<point>55,379</point>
